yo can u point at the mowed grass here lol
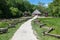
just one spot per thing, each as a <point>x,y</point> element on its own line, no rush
<point>50,22</point>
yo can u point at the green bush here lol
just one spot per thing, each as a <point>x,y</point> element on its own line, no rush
<point>14,11</point>
<point>3,24</point>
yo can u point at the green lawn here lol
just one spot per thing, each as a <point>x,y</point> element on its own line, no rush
<point>10,33</point>
<point>51,22</point>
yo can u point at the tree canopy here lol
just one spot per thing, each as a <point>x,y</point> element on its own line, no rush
<point>16,8</point>
<point>54,8</point>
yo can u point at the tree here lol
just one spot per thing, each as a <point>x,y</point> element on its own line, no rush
<point>54,8</point>
<point>4,9</point>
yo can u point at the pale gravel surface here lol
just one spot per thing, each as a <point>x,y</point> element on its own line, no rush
<point>25,32</point>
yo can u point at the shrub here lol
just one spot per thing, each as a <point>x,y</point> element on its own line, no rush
<point>14,11</point>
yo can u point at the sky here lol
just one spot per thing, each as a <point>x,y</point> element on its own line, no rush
<point>46,2</point>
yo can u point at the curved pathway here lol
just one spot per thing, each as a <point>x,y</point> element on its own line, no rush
<point>25,32</point>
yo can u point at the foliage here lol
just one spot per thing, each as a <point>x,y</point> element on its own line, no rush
<point>15,8</point>
<point>5,9</point>
<point>15,12</point>
<point>54,8</point>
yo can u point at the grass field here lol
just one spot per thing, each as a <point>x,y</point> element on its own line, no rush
<point>50,22</point>
<point>11,31</point>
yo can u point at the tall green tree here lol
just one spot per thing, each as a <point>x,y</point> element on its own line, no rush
<point>54,8</point>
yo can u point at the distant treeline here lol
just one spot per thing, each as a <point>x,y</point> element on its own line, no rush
<point>15,8</point>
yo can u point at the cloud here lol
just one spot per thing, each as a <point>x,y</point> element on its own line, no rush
<point>46,5</point>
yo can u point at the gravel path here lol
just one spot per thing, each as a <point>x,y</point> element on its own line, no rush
<point>25,32</point>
